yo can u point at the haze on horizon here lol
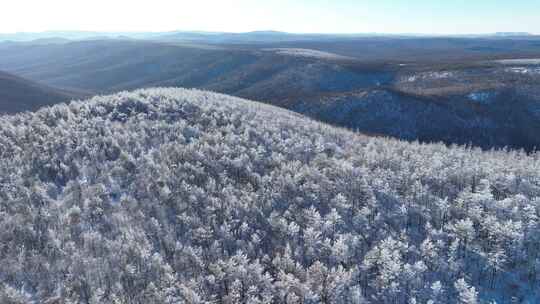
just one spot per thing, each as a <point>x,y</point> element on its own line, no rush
<point>301,16</point>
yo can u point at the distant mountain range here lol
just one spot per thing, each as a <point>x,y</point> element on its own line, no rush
<point>224,37</point>
<point>512,34</point>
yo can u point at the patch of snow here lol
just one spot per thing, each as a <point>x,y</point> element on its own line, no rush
<point>480,97</point>
<point>307,53</point>
<point>428,76</point>
<point>440,75</point>
<point>523,70</point>
<point>529,61</point>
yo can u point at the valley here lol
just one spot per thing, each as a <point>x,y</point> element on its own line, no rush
<point>467,94</point>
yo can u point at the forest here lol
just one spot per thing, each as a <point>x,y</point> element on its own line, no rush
<point>185,196</point>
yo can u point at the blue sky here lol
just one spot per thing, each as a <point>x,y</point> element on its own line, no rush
<point>302,16</point>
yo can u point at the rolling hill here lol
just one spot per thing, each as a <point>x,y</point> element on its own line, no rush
<point>113,65</point>
<point>184,196</point>
<point>18,94</point>
<point>400,87</point>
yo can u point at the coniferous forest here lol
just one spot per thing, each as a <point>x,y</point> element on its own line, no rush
<point>185,196</point>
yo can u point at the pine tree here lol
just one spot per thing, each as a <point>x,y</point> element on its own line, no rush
<point>466,294</point>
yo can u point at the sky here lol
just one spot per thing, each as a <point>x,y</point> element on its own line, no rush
<point>298,16</point>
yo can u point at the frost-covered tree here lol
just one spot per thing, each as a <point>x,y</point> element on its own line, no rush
<point>182,196</point>
<point>465,293</point>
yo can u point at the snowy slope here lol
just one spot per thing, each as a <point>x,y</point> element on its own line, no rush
<point>184,196</point>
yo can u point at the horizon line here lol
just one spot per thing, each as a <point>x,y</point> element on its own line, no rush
<point>113,32</point>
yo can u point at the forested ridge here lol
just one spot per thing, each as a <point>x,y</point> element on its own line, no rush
<point>397,87</point>
<point>185,196</point>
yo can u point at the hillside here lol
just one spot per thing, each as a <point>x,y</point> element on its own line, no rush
<point>474,100</point>
<point>486,118</point>
<point>183,196</point>
<point>18,94</point>
<point>113,65</point>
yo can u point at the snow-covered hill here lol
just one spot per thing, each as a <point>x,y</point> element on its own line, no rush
<point>308,53</point>
<point>184,196</point>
